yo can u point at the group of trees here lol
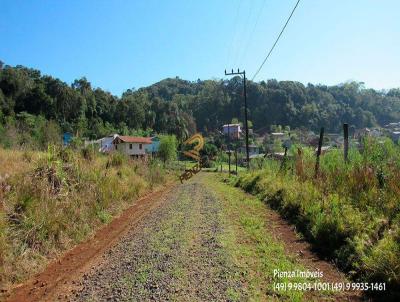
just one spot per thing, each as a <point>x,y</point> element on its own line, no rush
<point>180,107</point>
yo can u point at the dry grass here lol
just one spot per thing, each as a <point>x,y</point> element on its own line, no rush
<point>52,200</point>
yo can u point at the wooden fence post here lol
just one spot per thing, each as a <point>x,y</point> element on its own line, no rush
<point>321,138</point>
<point>346,142</point>
<point>229,162</point>
<point>236,157</point>
<point>221,158</point>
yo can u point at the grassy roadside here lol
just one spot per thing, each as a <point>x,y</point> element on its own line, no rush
<point>50,201</point>
<point>254,251</point>
<point>359,238</point>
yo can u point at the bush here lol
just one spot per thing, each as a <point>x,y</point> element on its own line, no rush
<point>168,148</point>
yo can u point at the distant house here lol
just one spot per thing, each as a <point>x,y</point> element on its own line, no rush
<point>376,132</point>
<point>393,126</point>
<point>360,133</point>
<point>278,135</point>
<point>154,146</point>
<point>233,130</point>
<point>106,143</point>
<point>131,145</point>
<point>395,136</point>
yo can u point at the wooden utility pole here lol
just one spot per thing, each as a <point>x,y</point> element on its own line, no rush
<point>229,150</point>
<point>245,111</point>
<point>321,138</point>
<point>346,142</point>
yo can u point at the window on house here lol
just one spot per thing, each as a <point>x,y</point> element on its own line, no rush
<point>130,146</point>
<point>116,147</point>
<point>140,146</point>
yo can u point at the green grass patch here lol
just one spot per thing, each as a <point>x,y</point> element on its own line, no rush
<point>255,252</point>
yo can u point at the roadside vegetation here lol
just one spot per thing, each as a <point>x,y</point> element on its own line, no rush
<point>349,211</point>
<point>250,241</point>
<point>49,201</point>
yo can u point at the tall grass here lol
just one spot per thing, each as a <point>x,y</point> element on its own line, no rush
<point>351,211</point>
<point>52,200</point>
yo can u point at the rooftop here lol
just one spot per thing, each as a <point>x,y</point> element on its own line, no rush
<point>231,125</point>
<point>134,139</point>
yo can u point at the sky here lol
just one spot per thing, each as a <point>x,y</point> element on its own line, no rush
<point>119,44</point>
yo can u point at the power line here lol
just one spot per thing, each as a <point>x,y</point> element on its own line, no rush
<point>233,40</point>
<point>244,30</point>
<point>276,41</point>
<point>250,37</point>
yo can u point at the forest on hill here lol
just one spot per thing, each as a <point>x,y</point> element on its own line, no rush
<point>30,100</point>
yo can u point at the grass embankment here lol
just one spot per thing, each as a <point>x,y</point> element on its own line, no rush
<point>248,239</point>
<point>350,212</point>
<point>52,200</point>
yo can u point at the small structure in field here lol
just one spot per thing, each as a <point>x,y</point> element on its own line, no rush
<point>154,146</point>
<point>106,143</point>
<point>131,145</point>
<point>234,130</point>
<point>67,138</point>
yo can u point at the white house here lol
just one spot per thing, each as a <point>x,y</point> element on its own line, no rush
<point>130,145</point>
<point>233,130</point>
<point>106,143</point>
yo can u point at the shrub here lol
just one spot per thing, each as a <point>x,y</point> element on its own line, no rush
<point>168,148</point>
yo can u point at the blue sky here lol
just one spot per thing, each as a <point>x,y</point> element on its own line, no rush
<point>125,44</point>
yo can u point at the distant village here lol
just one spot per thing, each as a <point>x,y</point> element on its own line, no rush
<point>271,144</point>
<point>274,142</point>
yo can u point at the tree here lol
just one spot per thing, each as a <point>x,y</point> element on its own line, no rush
<point>168,148</point>
<point>178,107</point>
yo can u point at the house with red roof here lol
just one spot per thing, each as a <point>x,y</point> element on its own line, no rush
<point>131,145</point>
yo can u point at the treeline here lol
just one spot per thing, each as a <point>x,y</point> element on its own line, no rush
<point>31,102</point>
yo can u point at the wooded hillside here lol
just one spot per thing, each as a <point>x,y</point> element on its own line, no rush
<point>28,99</point>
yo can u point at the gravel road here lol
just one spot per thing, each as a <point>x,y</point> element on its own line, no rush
<point>173,255</point>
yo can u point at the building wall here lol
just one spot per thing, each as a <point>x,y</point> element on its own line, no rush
<point>106,143</point>
<point>153,147</point>
<point>232,130</point>
<point>124,148</point>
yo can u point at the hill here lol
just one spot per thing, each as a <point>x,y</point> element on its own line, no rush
<point>31,103</point>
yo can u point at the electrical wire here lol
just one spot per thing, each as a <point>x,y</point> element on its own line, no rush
<point>245,29</point>
<point>250,37</point>
<point>276,41</point>
<point>233,40</point>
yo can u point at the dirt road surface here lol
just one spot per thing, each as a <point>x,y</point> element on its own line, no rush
<point>198,241</point>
